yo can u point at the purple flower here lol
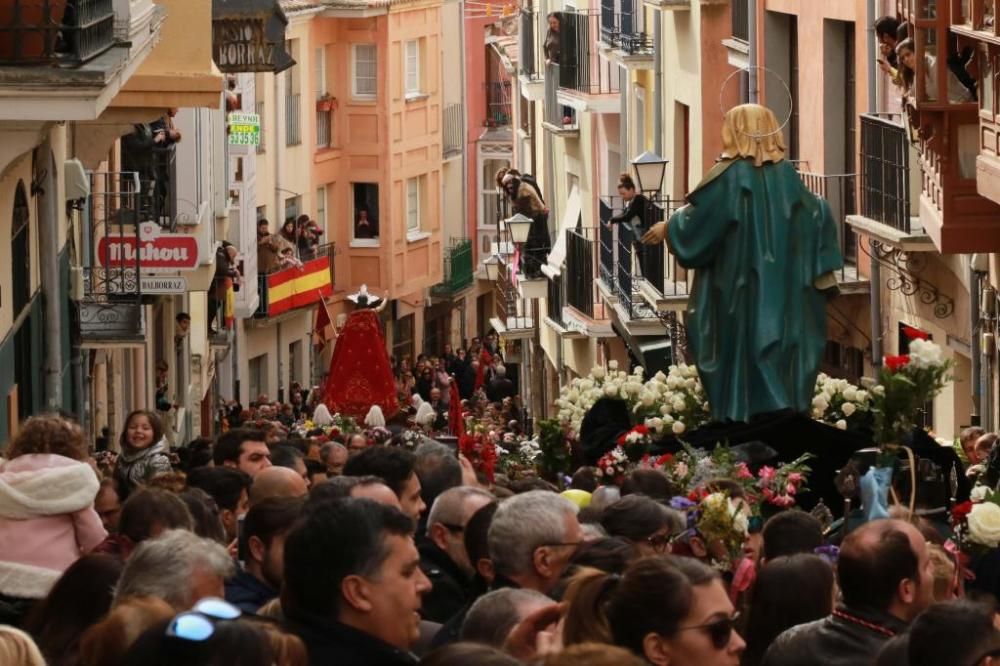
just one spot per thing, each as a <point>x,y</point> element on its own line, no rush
<point>681,503</point>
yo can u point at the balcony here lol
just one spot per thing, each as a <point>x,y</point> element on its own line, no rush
<point>530,58</point>
<point>624,34</point>
<point>451,144</point>
<point>33,32</point>
<point>888,212</point>
<point>738,46</point>
<point>839,193</point>
<point>458,274</point>
<point>324,128</point>
<point>155,165</point>
<point>558,118</point>
<point>498,112</point>
<point>514,317</point>
<point>585,311</point>
<point>66,61</point>
<point>297,286</point>
<point>110,306</point>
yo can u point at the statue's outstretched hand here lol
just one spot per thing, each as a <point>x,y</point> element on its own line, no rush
<point>655,235</point>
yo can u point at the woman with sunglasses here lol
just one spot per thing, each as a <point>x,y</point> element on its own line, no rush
<point>670,611</point>
<point>649,525</point>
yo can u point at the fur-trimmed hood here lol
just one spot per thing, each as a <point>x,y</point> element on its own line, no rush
<point>45,484</point>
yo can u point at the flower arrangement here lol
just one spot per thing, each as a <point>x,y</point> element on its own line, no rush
<point>518,458</point>
<point>840,403</point>
<point>613,466</point>
<point>779,486</point>
<point>340,425</point>
<point>721,522</point>
<point>907,383</point>
<point>556,453</point>
<point>667,402</point>
<point>976,522</point>
<point>478,448</point>
<point>635,443</point>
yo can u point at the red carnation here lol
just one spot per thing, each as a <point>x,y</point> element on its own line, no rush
<point>960,511</point>
<point>894,363</point>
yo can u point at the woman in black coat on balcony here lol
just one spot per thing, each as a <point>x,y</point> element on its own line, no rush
<point>638,215</point>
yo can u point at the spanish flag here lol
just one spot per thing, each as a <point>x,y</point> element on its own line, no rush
<point>298,287</point>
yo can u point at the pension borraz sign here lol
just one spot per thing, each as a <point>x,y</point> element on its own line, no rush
<point>152,252</point>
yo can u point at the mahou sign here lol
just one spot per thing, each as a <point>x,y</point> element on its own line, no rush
<point>166,252</point>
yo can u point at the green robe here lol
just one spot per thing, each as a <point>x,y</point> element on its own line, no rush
<point>759,243</point>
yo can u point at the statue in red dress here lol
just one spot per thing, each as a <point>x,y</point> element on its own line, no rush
<point>360,373</point>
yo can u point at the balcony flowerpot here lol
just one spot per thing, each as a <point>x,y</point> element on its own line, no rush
<point>30,29</point>
<point>324,105</point>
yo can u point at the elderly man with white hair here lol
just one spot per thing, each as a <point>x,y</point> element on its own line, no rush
<point>179,567</point>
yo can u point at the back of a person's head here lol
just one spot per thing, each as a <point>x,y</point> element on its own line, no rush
<point>607,554</point>
<point>106,642</point>
<point>164,567</point>
<point>450,506</point>
<point>649,482</point>
<point>774,609</point>
<point>231,643</point>
<point>886,25</point>
<point>393,464</point>
<point>637,517</point>
<point>954,632</point>
<point>48,433</point>
<point>477,531</point>
<point>18,649</point>
<point>197,453</point>
<point>438,469</point>
<point>204,514</point>
<point>593,654</point>
<point>80,598</point>
<point>317,561</point>
<point>522,524</point>
<point>271,517</point>
<point>873,560</point>
<point>465,654</point>
<point>225,484</point>
<point>791,532</point>
<point>493,615</point>
<point>149,511</point>
<point>894,652</point>
<point>286,454</point>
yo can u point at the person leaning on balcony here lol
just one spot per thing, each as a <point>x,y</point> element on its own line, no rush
<point>553,40</point>
<point>636,205</point>
<point>526,200</point>
<point>269,248</point>
<point>906,51</point>
<point>886,31</point>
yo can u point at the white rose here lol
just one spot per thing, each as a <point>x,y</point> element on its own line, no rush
<point>978,493</point>
<point>612,365</point>
<point>678,405</point>
<point>841,424</point>
<point>660,377</point>
<point>861,397</point>
<point>678,427</point>
<point>668,420</point>
<point>639,371</point>
<point>665,409</point>
<point>878,389</point>
<point>820,402</point>
<point>984,524</point>
<point>610,390</point>
<point>597,373</point>
<point>848,408</point>
<point>850,394</point>
<point>646,398</point>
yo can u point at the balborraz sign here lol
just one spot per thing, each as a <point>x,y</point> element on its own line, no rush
<point>249,36</point>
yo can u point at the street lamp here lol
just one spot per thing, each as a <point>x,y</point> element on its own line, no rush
<point>650,169</point>
<point>519,226</point>
<point>492,266</point>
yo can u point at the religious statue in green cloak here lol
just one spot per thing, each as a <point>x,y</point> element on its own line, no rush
<point>764,250</point>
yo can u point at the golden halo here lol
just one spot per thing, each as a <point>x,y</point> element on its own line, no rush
<point>788,91</point>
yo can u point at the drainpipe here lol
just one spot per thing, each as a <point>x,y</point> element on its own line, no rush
<point>975,351</point>
<point>875,287</point>
<point>48,236</point>
<point>657,83</point>
<point>872,57</point>
<point>752,79</point>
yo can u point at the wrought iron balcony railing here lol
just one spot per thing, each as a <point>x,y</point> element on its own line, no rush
<point>554,300</point>
<point>531,61</point>
<point>293,120</point>
<point>498,110</point>
<point>623,27</point>
<point>45,32</point>
<point>582,249</point>
<point>458,273</point>
<point>513,311</point>
<point>156,168</point>
<point>326,252</point>
<point>110,262</point>
<point>580,67</point>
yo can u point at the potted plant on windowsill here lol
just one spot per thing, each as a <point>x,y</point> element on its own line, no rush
<point>326,103</point>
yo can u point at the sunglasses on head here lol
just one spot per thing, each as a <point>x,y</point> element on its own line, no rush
<point>719,631</point>
<point>198,624</point>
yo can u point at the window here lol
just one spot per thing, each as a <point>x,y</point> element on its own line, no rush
<point>321,208</point>
<point>261,213</point>
<point>365,78</point>
<point>365,214</point>
<point>402,337</point>
<point>293,99</point>
<point>413,205</point>
<point>324,106</point>
<point>258,376</point>
<point>295,362</point>
<point>412,67</point>
<point>292,207</point>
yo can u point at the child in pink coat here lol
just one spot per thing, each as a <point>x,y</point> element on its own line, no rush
<point>47,516</point>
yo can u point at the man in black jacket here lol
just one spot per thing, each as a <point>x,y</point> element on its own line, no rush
<point>353,584</point>
<point>500,387</point>
<point>442,552</point>
<point>885,577</point>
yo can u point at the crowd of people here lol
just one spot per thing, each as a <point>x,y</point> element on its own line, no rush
<point>317,544</point>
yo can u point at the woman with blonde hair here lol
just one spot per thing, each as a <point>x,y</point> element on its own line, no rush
<point>106,643</point>
<point>17,648</point>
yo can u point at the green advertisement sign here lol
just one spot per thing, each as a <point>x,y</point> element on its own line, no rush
<point>244,129</point>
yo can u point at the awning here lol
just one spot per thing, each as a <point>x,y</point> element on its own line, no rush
<point>570,218</point>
